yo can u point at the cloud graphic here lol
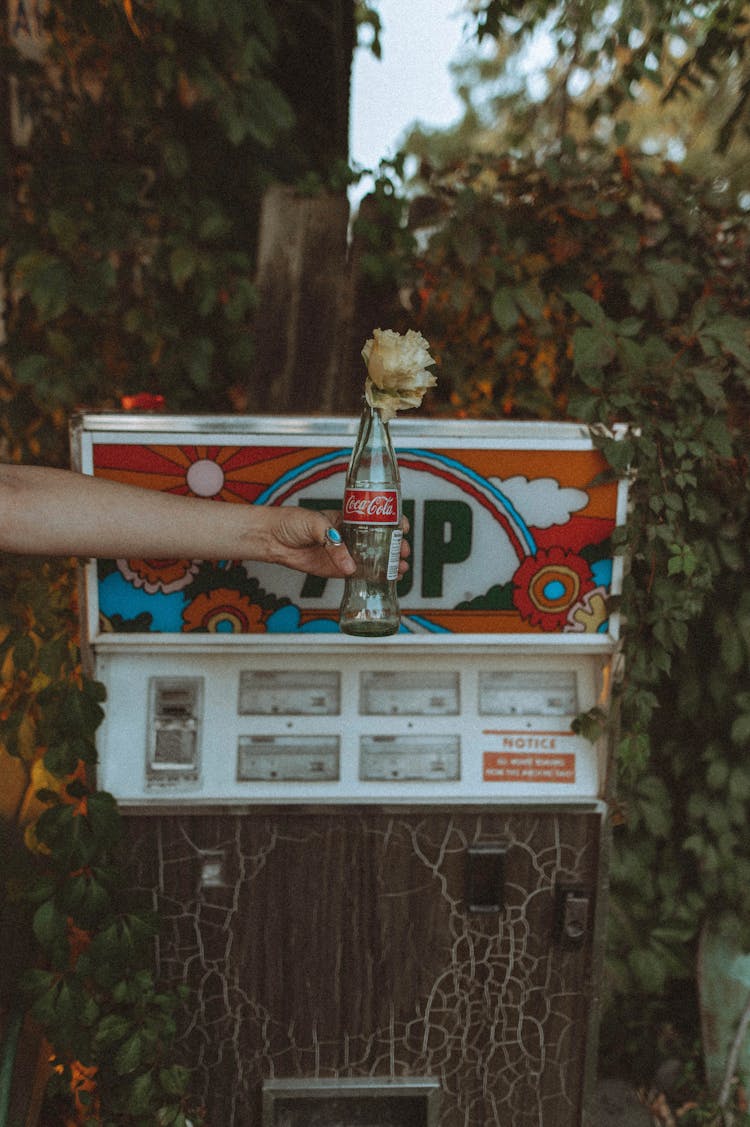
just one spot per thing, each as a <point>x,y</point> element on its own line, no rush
<point>543,501</point>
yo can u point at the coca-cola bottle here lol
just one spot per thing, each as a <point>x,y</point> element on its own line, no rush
<point>372,531</point>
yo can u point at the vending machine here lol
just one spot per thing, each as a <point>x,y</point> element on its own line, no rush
<point>380,861</point>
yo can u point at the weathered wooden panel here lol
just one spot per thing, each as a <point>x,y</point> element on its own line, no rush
<point>339,944</point>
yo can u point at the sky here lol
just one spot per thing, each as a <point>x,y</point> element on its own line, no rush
<point>411,82</point>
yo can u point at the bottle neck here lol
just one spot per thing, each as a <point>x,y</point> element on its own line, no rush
<point>373,456</point>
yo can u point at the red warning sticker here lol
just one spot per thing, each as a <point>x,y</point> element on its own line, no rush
<point>529,767</point>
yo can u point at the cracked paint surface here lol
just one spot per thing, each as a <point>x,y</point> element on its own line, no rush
<point>339,944</point>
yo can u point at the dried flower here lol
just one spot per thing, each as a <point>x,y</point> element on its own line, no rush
<point>396,370</point>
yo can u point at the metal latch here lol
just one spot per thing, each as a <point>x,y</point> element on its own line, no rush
<point>572,911</point>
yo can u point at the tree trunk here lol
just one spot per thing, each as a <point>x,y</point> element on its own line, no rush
<point>302,281</point>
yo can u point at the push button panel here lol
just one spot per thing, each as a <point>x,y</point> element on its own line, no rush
<point>358,728</point>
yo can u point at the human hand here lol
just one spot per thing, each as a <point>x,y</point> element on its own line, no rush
<point>310,541</point>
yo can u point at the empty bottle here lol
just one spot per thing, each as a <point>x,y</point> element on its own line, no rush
<point>372,531</point>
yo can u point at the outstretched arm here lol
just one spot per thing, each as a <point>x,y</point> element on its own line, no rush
<point>60,513</point>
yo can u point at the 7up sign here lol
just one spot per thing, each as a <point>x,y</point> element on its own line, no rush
<point>509,526</point>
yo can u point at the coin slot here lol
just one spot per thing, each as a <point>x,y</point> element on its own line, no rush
<point>410,758</point>
<point>522,693</point>
<point>400,692</point>
<point>288,759</point>
<point>289,692</point>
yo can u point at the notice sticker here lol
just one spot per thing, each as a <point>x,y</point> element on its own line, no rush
<point>529,767</point>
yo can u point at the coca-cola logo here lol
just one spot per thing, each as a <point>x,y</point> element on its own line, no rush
<point>371,506</point>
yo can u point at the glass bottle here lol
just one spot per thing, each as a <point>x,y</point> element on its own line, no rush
<point>372,531</point>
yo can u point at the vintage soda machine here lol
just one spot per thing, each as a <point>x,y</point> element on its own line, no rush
<point>380,862</point>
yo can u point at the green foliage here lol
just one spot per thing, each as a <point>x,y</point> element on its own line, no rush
<point>129,239</point>
<point>133,229</point>
<point>86,978</point>
<point>610,291</point>
<point>616,52</point>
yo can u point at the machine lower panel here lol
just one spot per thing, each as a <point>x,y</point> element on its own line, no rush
<point>343,944</point>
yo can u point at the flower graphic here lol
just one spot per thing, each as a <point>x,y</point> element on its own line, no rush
<point>547,585</point>
<point>223,610</point>
<point>590,615</point>
<point>159,575</point>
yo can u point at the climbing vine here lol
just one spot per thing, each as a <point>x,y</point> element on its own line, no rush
<point>596,288</point>
<point>131,233</point>
<point>606,289</point>
<point>128,225</point>
<point>87,976</point>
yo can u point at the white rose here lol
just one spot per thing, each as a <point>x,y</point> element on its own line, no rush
<point>396,370</point>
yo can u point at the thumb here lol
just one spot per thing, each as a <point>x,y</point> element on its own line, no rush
<point>333,542</point>
<point>337,549</point>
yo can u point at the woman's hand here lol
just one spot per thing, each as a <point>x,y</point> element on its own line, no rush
<point>311,541</point>
<point>59,513</point>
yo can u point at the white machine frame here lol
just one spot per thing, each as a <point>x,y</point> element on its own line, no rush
<point>246,720</point>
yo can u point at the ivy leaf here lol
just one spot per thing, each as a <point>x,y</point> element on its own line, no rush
<point>54,656</point>
<point>104,818</point>
<point>619,452</point>
<point>716,434</point>
<point>130,1054</point>
<point>504,308</point>
<point>141,1094</point>
<point>29,369</point>
<point>593,348</point>
<point>111,1029</point>
<point>531,300</point>
<point>710,384</point>
<point>666,298</point>
<point>585,305</point>
<point>183,262</point>
<point>176,159</point>
<point>215,225</point>
<point>648,967</point>
<point>741,730</point>
<point>467,244</point>
<point>50,927</point>
<point>638,290</point>
<point>47,280</point>
<point>731,334</point>
<point>174,1080</point>
<point>24,652</point>
<point>200,360</point>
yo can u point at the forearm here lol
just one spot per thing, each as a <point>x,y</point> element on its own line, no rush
<point>56,512</point>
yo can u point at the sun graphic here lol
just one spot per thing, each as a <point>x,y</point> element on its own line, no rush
<point>222,473</point>
<point>547,585</point>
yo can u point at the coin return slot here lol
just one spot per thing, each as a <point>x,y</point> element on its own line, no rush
<point>485,879</point>
<point>175,707</point>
